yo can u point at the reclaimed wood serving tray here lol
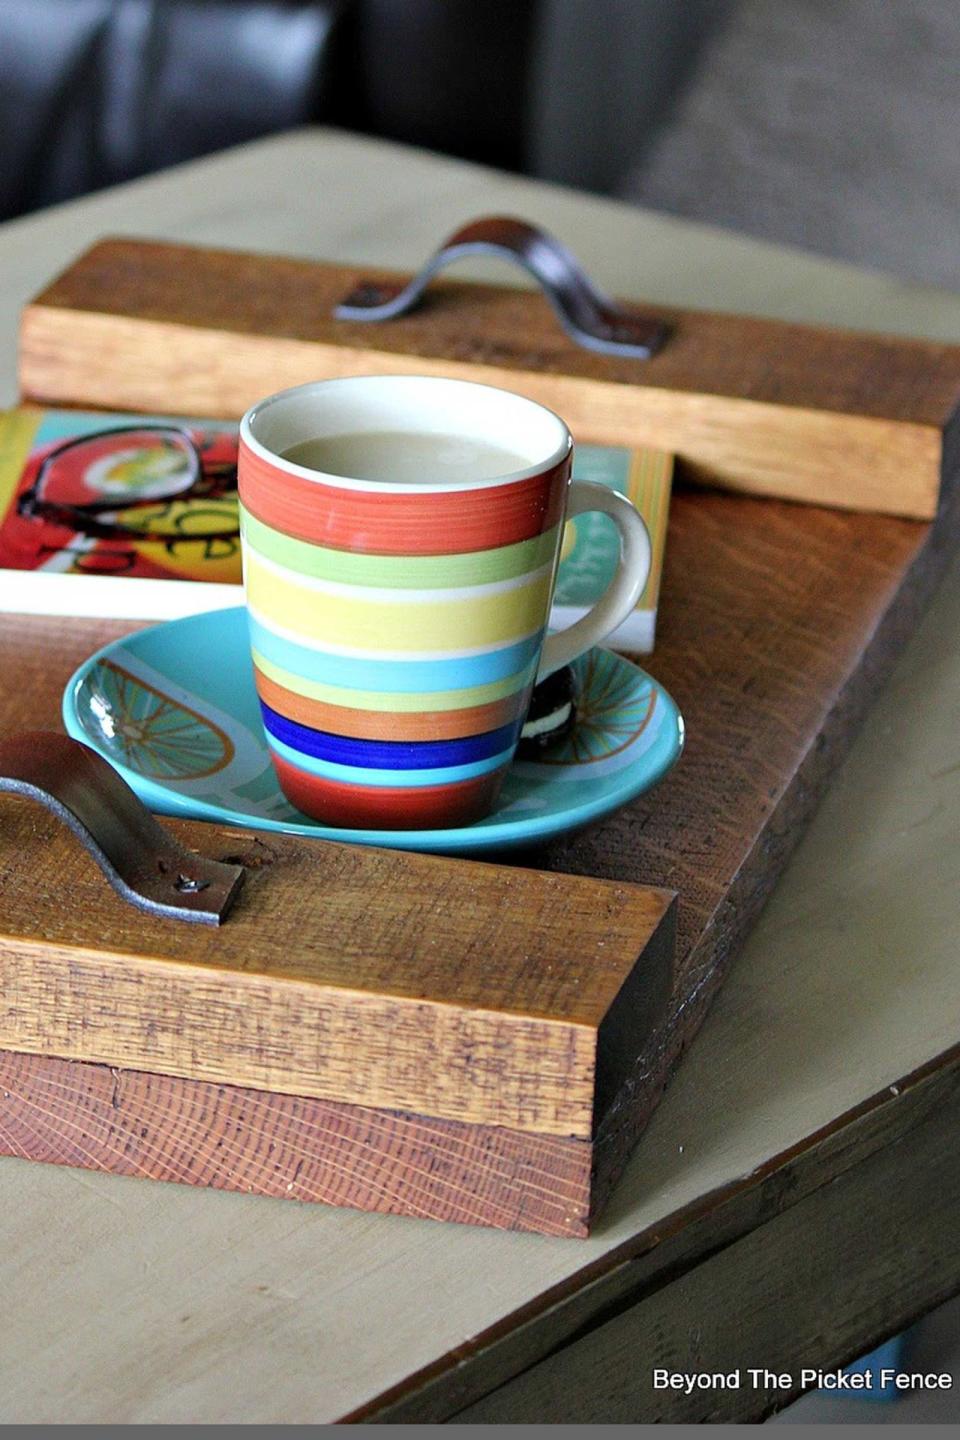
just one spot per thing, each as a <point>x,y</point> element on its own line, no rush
<point>778,623</point>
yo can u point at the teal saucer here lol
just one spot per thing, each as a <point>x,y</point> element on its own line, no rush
<point>174,710</point>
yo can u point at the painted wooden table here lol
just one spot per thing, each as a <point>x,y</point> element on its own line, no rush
<point>797,1195</point>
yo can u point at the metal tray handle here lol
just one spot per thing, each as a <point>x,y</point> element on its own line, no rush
<point>143,863</point>
<point>588,316</point>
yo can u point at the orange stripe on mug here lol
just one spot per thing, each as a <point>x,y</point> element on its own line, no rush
<point>391,725</point>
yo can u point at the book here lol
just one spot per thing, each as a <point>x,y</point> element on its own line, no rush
<point>591,545</point>
<point>87,544</point>
<point>102,515</point>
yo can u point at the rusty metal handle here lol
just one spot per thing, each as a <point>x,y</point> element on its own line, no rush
<point>588,316</point>
<point>143,863</point>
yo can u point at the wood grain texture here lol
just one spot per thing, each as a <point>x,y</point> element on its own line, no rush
<point>161,1127</point>
<point>343,973</point>
<point>825,416</point>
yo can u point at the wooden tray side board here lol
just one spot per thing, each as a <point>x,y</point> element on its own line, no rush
<point>829,417</point>
<point>460,990</point>
<point>113,1024</point>
<point>222,1137</point>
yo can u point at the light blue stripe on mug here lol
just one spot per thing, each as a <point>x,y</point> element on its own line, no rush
<point>405,779</point>
<point>395,676</point>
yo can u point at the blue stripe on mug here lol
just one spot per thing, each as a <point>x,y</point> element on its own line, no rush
<point>398,677</point>
<point>389,754</point>
<point>354,775</point>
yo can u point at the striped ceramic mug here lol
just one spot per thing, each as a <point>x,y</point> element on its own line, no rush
<point>398,617</point>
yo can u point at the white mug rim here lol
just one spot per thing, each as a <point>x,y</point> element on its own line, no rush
<point>550,461</point>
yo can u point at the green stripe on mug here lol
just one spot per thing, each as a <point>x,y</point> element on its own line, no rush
<point>401,572</point>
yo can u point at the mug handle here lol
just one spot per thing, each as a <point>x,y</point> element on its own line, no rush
<point>624,590</point>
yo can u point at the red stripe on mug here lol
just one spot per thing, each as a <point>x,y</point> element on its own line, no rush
<point>421,522</point>
<point>381,807</point>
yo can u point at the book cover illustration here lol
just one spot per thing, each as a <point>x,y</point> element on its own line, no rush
<point>106,498</point>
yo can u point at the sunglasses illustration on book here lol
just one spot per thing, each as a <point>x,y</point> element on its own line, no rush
<point>136,483</point>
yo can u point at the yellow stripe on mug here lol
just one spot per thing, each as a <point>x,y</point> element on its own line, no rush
<point>422,625</point>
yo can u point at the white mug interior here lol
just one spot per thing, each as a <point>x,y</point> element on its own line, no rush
<point>415,404</point>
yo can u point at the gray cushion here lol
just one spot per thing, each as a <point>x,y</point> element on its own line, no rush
<point>831,124</point>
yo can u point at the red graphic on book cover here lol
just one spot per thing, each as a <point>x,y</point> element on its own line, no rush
<point>156,501</point>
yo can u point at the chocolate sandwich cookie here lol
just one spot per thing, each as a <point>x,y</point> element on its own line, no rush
<point>552,714</point>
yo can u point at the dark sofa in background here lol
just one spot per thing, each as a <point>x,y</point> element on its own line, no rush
<point>97,91</point>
